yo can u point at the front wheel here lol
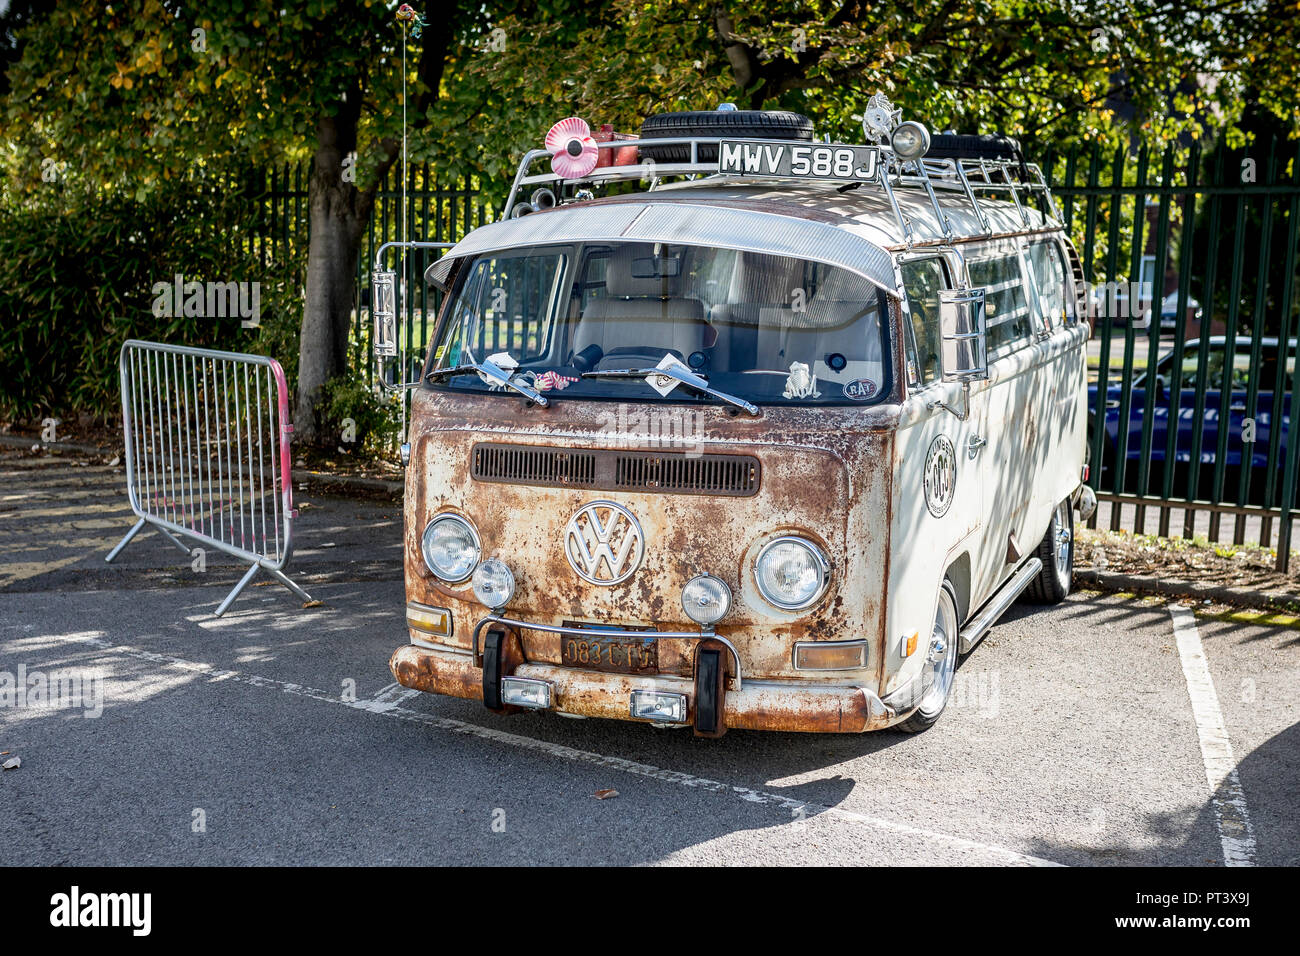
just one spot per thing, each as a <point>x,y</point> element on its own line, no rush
<point>940,664</point>
<point>1057,554</point>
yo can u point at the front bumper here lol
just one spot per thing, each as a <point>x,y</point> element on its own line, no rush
<point>787,705</point>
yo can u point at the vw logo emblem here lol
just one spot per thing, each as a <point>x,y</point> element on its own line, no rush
<point>604,543</point>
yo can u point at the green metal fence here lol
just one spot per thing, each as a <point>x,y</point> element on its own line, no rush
<point>435,213</point>
<point>1216,237</point>
<point>1214,234</point>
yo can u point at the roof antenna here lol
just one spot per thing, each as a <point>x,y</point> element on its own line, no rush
<point>414,22</point>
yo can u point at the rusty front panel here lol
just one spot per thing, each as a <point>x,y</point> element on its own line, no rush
<point>825,475</point>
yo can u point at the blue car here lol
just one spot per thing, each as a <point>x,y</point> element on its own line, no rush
<point>1162,399</point>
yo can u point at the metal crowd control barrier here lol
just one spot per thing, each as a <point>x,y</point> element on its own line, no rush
<point>207,454</point>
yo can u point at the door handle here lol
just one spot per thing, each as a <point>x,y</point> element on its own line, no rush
<point>976,443</point>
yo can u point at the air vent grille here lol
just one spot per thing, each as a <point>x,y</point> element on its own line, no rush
<point>614,470</point>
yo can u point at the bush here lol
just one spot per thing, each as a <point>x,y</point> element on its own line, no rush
<point>376,427</point>
<point>77,275</point>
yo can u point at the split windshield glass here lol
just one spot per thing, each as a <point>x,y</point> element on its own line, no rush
<point>768,329</point>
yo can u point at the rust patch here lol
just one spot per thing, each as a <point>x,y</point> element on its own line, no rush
<point>436,673</point>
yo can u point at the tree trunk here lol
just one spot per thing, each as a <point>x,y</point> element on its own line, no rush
<point>339,213</point>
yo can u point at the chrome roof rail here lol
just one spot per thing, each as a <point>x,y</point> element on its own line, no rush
<point>974,177</point>
<point>904,223</point>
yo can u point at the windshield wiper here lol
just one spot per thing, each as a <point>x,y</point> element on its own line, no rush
<point>688,379</point>
<point>495,373</point>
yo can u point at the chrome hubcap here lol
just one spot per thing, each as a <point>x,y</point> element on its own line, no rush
<point>940,659</point>
<point>937,649</point>
<point>1063,538</point>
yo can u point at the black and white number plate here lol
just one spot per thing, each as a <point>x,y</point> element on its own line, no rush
<point>797,160</point>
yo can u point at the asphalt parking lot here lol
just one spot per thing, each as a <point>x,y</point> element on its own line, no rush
<point>1107,731</point>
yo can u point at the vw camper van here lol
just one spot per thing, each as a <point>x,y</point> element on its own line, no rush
<point>724,427</point>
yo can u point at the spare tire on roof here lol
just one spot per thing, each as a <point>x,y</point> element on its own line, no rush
<point>972,146</point>
<point>737,124</point>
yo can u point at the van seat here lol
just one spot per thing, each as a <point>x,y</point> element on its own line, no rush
<point>640,319</point>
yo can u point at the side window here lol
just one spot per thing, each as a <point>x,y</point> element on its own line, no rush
<point>595,264</point>
<point>1046,283</point>
<point>922,281</point>
<point>1009,324</point>
<point>1191,362</point>
<point>515,298</point>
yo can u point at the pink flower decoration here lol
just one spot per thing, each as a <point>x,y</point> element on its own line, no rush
<point>573,151</point>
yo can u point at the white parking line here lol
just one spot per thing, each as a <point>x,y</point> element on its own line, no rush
<point>387,699</point>
<point>380,705</point>
<point>1236,835</point>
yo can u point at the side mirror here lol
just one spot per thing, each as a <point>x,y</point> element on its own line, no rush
<point>383,306</point>
<point>965,337</point>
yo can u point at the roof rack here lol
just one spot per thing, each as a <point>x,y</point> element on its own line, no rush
<point>975,177</point>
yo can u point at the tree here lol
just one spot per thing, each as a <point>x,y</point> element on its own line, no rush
<point>132,94</point>
<point>1038,68</point>
<point>137,93</point>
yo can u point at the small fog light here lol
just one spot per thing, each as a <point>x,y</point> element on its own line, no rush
<point>494,584</point>
<point>706,599</point>
<point>525,692</point>
<point>910,141</point>
<point>662,708</point>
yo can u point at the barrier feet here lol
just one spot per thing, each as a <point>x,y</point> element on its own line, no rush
<point>243,583</point>
<point>248,576</point>
<point>135,529</point>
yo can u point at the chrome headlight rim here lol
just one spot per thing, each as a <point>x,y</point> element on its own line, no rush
<point>474,537</point>
<point>819,559</point>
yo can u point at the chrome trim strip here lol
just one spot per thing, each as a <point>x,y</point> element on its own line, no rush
<point>441,648</point>
<point>703,634</point>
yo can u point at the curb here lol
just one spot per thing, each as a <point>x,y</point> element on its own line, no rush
<point>16,441</point>
<point>1173,587</point>
<point>393,488</point>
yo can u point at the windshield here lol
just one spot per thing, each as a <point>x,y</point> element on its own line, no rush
<point>767,329</point>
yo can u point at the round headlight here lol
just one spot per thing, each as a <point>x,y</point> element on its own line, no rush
<point>706,599</point>
<point>450,547</point>
<point>791,573</point>
<point>910,141</point>
<point>494,584</point>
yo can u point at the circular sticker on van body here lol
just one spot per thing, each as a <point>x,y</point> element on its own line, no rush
<point>861,389</point>
<point>940,476</point>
